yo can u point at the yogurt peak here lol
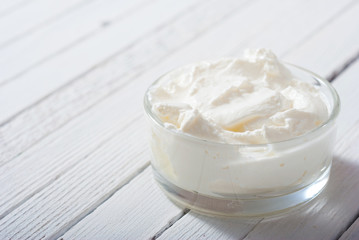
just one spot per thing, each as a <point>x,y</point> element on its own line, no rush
<point>251,100</point>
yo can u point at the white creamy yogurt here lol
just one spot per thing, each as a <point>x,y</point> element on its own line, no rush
<point>230,102</point>
<point>251,100</point>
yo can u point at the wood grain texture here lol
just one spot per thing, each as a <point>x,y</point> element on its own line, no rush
<point>31,16</point>
<point>47,161</point>
<point>62,34</point>
<point>47,77</point>
<point>125,224</point>
<point>83,188</point>
<point>352,233</point>
<point>69,102</point>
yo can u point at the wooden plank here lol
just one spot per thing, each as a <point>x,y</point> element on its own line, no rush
<point>352,233</point>
<point>125,202</point>
<point>71,101</point>
<point>76,26</point>
<point>33,15</point>
<point>50,75</point>
<point>330,213</point>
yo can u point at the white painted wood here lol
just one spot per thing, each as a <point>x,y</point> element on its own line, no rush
<point>326,216</point>
<point>204,227</point>
<point>302,21</point>
<point>71,101</point>
<point>9,6</point>
<point>125,224</point>
<point>85,186</point>
<point>49,76</point>
<point>76,26</point>
<point>352,233</point>
<point>343,36</point>
<point>37,168</point>
<point>18,136</point>
<point>31,16</point>
<point>61,154</point>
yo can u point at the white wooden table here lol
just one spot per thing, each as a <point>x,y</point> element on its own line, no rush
<point>74,162</point>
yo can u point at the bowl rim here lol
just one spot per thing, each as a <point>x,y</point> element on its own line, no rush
<point>332,116</point>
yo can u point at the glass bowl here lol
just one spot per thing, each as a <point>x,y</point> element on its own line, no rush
<point>244,179</point>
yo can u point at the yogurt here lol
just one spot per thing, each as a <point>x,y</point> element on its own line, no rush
<point>231,127</point>
<point>251,100</point>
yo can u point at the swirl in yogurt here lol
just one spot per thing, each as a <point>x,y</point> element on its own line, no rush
<point>249,100</point>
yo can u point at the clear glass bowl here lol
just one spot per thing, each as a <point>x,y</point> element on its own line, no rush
<point>244,179</point>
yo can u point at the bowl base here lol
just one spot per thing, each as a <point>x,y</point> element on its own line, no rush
<point>258,206</point>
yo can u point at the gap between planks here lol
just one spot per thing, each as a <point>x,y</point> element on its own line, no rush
<point>351,233</point>
<point>170,223</point>
<point>350,61</point>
